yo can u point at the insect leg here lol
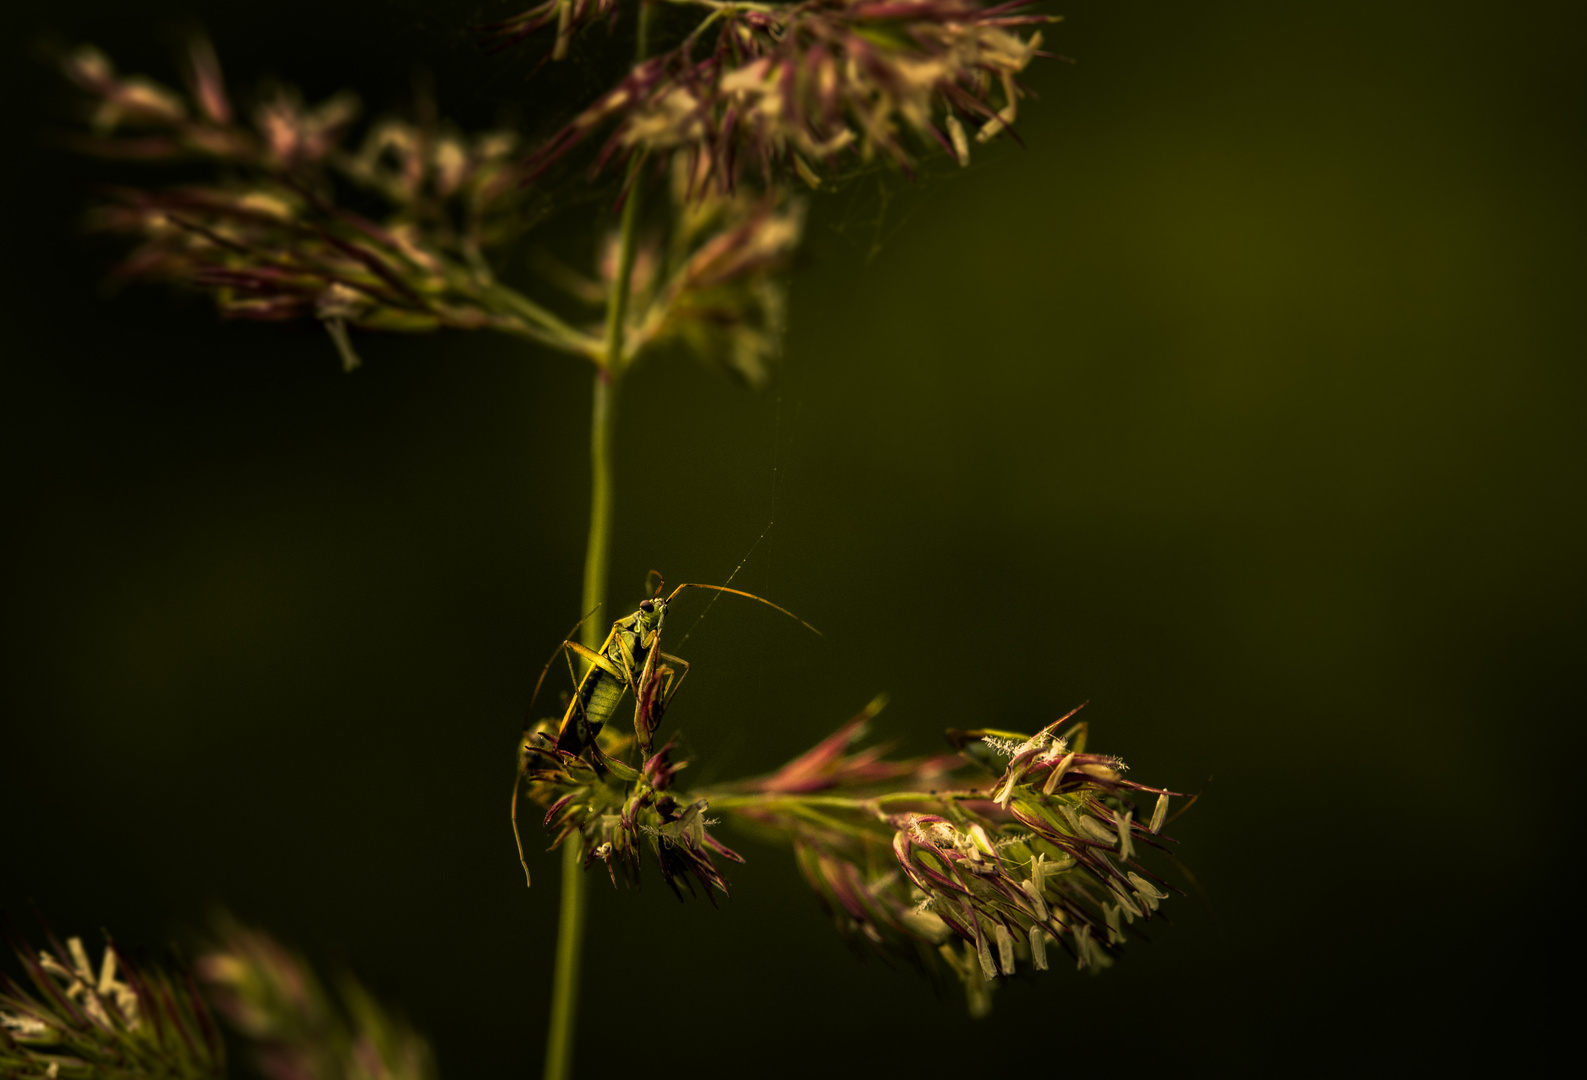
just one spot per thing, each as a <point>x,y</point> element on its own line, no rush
<point>597,659</point>
<point>626,655</point>
<point>657,687</point>
<point>574,732</point>
<point>553,659</point>
<point>647,708</point>
<point>672,685</point>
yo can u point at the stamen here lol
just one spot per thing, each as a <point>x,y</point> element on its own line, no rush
<point>1038,948</point>
<point>1159,813</point>
<point>1005,948</point>
<point>1057,774</point>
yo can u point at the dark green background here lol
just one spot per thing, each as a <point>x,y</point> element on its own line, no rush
<point>1245,404</point>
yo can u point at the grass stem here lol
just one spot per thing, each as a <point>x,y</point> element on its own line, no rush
<point>608,377</point>
<point>570,950</point>
<point>570,922</point>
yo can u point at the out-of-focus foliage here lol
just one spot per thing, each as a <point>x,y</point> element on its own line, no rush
<point>281,231</point>
<point>125,1021</point>
<point>274,236</point>
<point>795,86</point>
<point>709,281</point>
<point>138,1021</point>
<point>295,1028</point>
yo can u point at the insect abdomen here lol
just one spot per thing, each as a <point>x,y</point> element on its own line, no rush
<point>602,701</point>
<point>598,696</point>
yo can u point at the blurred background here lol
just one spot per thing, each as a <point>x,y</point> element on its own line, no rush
<point>1243,403</point>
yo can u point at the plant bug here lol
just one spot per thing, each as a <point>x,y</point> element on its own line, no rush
<point>630,659</point>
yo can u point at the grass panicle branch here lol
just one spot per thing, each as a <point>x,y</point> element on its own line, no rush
<point>274,236</point>
<point>977,862</point>
<point>766,92</point>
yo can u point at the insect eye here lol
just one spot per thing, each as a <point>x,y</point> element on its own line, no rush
<point>646,605</point>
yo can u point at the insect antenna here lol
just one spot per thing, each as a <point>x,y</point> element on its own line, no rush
<point>661,583</point>
<point>689,632</point>
<point>553,659</point>
<point>517,839</point>
<point>740,592</point>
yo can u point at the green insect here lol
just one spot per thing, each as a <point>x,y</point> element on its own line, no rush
<point>630,659</point>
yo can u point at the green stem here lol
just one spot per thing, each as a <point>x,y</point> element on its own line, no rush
<point>570,947</point>
<point>597,550</point>
<point>570,923</point>
<point>608,376</point>
<point>617,307</point>
<point>838,802</point>
<point>538,324</point>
